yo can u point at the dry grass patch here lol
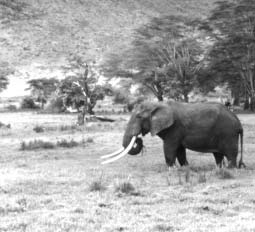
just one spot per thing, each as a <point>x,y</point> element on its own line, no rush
<point>97,185</point>
<point>202,177</point>
<point>124,186</point>
<point>223,173</point>
<point>163,228</point>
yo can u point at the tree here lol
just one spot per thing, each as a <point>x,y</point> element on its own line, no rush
<point>3,82</point>
<point>164,57</point>
<point>232,27</point>
<point>42,88</point>
<point>5,71</point>
<point>81,88</point>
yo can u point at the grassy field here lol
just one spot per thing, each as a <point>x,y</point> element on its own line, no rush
<point>66,189</point>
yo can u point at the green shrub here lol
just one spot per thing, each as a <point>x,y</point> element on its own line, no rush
<point>11,107</point>
<point>55,105</point>
<point>124,186</point>
<point>120,97</point>
<point>68,127</point>
<point>38,129</point>
<point>36,144</point>
<point>66,143</point>
<point>28,103</point>
<point>40,144</point>
<point>90,140</point>
<point>97,185</point>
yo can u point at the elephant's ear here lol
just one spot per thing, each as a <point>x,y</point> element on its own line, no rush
<point>162,117</point>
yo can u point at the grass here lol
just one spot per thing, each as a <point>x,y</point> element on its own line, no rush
<point>41,144</point>
<point>223,173</point>
<point>124,186</point>
<point>62,128</point>
<point>97,185</point>
<point>64,189</point>
<point>202,177</point>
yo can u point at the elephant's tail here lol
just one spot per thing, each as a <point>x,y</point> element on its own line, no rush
<point>241,163</point>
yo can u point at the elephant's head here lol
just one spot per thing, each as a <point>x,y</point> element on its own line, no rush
<point>147,117</point>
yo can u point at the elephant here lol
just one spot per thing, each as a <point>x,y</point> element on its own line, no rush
<point>201,127</point>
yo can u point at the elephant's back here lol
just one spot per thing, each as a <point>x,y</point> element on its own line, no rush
<point>207,116</point>
<point>197,115</point>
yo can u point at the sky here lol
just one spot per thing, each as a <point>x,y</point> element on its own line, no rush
<point>17,81</point>
<point>15,88</point>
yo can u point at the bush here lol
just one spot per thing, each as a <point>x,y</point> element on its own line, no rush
<point>97,185</point>
<point>90,140</point>
<point>38,129</point>
<point>55,105</point>
<point>40,144</point>
<point>11,107</point>
<point>126,187</point>
<point>68,127</point>
<point>2,125</point>
<point>120,97</point>
<point>65,143</point>
<point>36,144</point>
<point>132,103</point>
<point>28,103</point>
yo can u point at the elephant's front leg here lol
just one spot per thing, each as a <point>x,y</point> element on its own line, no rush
<point>170,152</point>
<point>181,156</point>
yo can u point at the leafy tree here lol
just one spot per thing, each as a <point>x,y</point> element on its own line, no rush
<point>28,103</point>
<point>232,27</point>
<point>3,82</point>
<point>42,88</point>
<point>5,71</point>
<point>164,57</point>
<point>80,88</point>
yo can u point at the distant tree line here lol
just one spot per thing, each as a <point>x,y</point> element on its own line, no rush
<point>172,56</point>
<point>169,57</point>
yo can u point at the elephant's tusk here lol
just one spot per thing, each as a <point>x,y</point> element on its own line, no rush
<point>123,153</point>
<point>113,154</point>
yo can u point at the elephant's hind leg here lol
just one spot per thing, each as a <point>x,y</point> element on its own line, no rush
<point>218,158</point>
<point>181,156</point>
<point>230,149</point>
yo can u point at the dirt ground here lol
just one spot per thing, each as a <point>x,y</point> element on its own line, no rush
<point>51,190</point>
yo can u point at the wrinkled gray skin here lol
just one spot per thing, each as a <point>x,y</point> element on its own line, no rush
<point>202,127</point>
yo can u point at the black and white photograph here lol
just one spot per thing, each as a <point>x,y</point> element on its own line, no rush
<point>127,115</point>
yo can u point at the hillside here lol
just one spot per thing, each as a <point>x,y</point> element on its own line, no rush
<point>37,35</point>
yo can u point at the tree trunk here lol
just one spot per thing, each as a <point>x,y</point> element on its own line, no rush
<point>81,116</point>
<point>246,104</point>
<point>90,109</point>
<point>160,98</point>
<point>186,97</point>
<point>252,103</point>
<point>236,101</point>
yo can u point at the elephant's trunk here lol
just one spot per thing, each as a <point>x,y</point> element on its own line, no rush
<point>133,130</point>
